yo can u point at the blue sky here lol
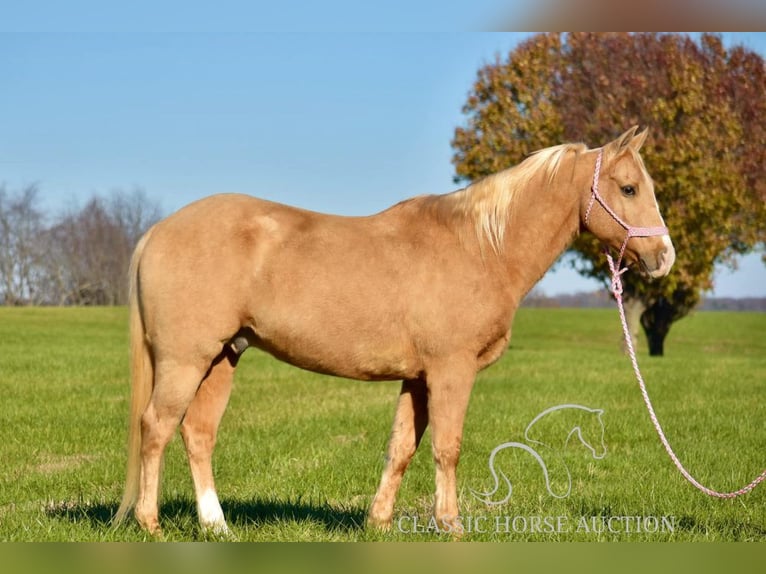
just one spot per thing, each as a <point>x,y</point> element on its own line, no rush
<point>333,121</point>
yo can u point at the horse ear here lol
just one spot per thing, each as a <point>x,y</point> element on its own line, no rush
<point>624,140</point>
<point>637,141</point>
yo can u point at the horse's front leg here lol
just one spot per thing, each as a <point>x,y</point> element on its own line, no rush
<point>449,388</point>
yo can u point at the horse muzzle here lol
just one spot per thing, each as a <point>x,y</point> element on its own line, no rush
<point>659,263</point>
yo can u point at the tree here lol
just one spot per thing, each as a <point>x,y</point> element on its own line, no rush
<point>81,259</point>
<point>705,110</point>
<point>91,248</point>
<point>21,250</point>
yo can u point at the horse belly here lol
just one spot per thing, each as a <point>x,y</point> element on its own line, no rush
<point>328,350</point>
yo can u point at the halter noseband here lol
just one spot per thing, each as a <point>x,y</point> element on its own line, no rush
<point>631,230</point>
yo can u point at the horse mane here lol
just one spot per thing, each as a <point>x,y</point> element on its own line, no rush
<point>490,201</point>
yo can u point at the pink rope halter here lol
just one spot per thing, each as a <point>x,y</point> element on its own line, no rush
<point>631,231</point>
<point>617,291</point>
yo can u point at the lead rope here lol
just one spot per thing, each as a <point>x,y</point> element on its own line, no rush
<point>617,291</point>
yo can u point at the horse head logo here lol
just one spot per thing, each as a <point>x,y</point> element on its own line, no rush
<point>584,423</point>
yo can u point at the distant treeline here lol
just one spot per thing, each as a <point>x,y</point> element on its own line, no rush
<point>79,256</point>
<point>603,299</point>
<point>732,304</point>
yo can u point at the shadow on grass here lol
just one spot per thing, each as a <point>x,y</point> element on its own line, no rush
<point>270,511</point>
<point>257,512</point>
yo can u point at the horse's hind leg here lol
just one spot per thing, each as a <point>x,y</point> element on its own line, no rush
<point>409,424</point>
<point>174,388</point>
<point>199,429</point>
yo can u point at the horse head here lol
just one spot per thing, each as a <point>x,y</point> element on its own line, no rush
<point>621,209</point>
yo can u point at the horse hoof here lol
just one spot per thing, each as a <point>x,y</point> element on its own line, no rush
<point>151,526</point>
<point>155,532</point>
<point>450,525</point>
<point>217,531</point>
<point>378,523</point>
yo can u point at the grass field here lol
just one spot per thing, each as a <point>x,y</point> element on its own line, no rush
<point>299,454</point>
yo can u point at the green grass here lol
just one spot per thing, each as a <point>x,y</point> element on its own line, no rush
<point>299,454</point>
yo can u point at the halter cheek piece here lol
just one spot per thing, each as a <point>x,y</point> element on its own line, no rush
<point>631,231</point>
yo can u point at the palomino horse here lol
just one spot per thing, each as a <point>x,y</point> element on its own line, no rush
<point>424,292</point>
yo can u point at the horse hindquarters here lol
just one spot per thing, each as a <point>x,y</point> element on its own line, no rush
<point>166,375</point>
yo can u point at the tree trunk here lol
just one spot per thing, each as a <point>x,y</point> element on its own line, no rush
<point>656,321</point>
<point>656,339</point>
<point>634,308</point>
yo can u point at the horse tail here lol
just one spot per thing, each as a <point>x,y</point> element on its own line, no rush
<point>142,383</point>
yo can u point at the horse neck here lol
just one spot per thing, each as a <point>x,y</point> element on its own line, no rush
<point>546,218</point>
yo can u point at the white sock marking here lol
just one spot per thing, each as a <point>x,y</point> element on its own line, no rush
<point>210,512</point>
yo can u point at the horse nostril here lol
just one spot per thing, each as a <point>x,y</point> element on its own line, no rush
<point>668,256</point>
<point>665,258</point>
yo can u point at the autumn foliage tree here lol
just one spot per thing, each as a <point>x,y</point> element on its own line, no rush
<point>706,113</point>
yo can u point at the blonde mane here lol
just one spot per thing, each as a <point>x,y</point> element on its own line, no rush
<point>490,201</point>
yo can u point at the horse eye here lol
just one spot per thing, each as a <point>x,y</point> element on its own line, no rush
<point>628,190</point>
